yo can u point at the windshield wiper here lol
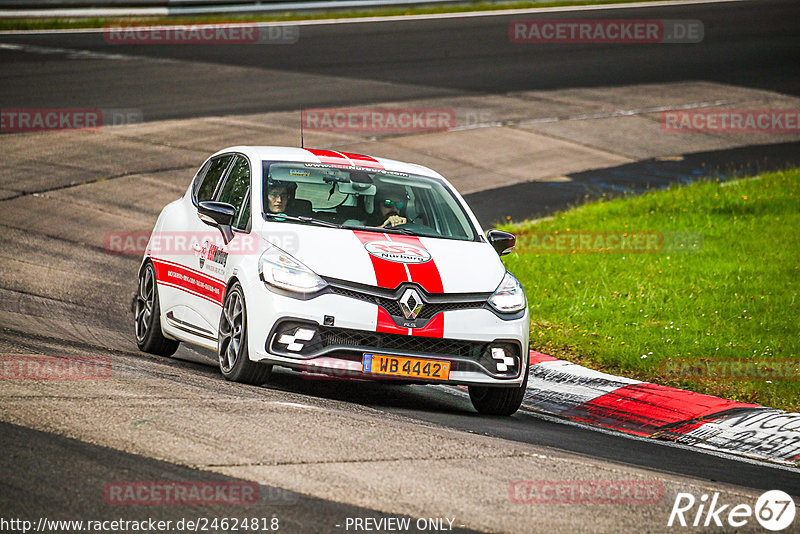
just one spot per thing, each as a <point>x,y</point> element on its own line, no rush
<point>403,231</point>
<point>302,219</point>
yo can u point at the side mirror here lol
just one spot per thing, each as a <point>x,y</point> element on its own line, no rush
<point>218,214</point>
<point>503,242</point>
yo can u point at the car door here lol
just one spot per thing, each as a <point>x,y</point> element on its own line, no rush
<point>180,260</point>
<point>213,254</point>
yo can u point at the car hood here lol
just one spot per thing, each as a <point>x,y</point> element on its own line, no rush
<point>387,260</point>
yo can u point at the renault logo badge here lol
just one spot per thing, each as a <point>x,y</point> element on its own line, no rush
<point>410,304</point>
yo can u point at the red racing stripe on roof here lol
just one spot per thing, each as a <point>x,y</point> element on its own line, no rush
<point>329,156</point>
<point>363,161</point>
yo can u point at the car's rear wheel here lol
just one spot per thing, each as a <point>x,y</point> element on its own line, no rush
<point>498,401</point>
<point>147,316</point>
<point>234,360</point>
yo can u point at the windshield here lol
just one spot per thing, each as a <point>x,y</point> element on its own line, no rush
<point>355,197</point>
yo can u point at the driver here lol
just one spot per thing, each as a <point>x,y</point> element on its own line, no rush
<point>280,195</point>
<point>390,205</point>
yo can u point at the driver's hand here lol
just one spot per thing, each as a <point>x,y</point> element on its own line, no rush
<point>393,220</point>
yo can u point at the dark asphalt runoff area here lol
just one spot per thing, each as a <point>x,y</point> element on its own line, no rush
<point>53,477</point>
<point>751,44</point>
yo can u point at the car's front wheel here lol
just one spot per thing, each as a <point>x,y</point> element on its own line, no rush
<point>234,360</point>
<point>498,401</point>
<point>147,316</point>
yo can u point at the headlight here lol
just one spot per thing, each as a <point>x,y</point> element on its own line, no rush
<point>509,296</point>
<point>281,270</point>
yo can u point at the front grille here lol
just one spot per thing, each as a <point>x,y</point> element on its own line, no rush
<point>392,306</point>
<point>395,342</point>
<point>349,344</point>
<point>431,309</point>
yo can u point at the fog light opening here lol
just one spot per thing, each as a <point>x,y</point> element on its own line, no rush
<point>503,361</point>
<point>304,334</point>
<point>292,340</point>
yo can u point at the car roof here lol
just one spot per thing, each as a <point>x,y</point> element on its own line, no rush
<point>313,155</point>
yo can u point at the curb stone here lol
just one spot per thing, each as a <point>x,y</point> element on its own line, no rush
<point>568,390</point>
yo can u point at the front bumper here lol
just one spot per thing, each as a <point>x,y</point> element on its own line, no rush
<point>346,328</point>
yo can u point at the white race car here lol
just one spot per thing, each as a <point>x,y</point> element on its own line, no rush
<point>329,263</point>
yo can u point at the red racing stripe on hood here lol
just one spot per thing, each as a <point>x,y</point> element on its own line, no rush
<point>425,274</point>
<point>434,328</point>
<point>386,324</point>
<point>388,274</point>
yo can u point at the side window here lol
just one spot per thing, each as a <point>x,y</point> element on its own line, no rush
<point>216,167</point>
<point>244,218</point>
<point>198,179</point>
<point>236,187</point>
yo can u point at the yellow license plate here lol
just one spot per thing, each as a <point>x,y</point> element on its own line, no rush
<point>410,367</point>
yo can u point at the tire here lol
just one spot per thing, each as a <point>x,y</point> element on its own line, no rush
<point>232,352</point>
<point>147,317</point>
<point>498,401</point>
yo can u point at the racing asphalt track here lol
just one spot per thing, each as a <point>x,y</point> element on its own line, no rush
<point>744,45</point>
<point>384,447</point>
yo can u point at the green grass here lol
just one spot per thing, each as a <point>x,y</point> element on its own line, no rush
<point>71,23</point>
<point>726,285</point>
